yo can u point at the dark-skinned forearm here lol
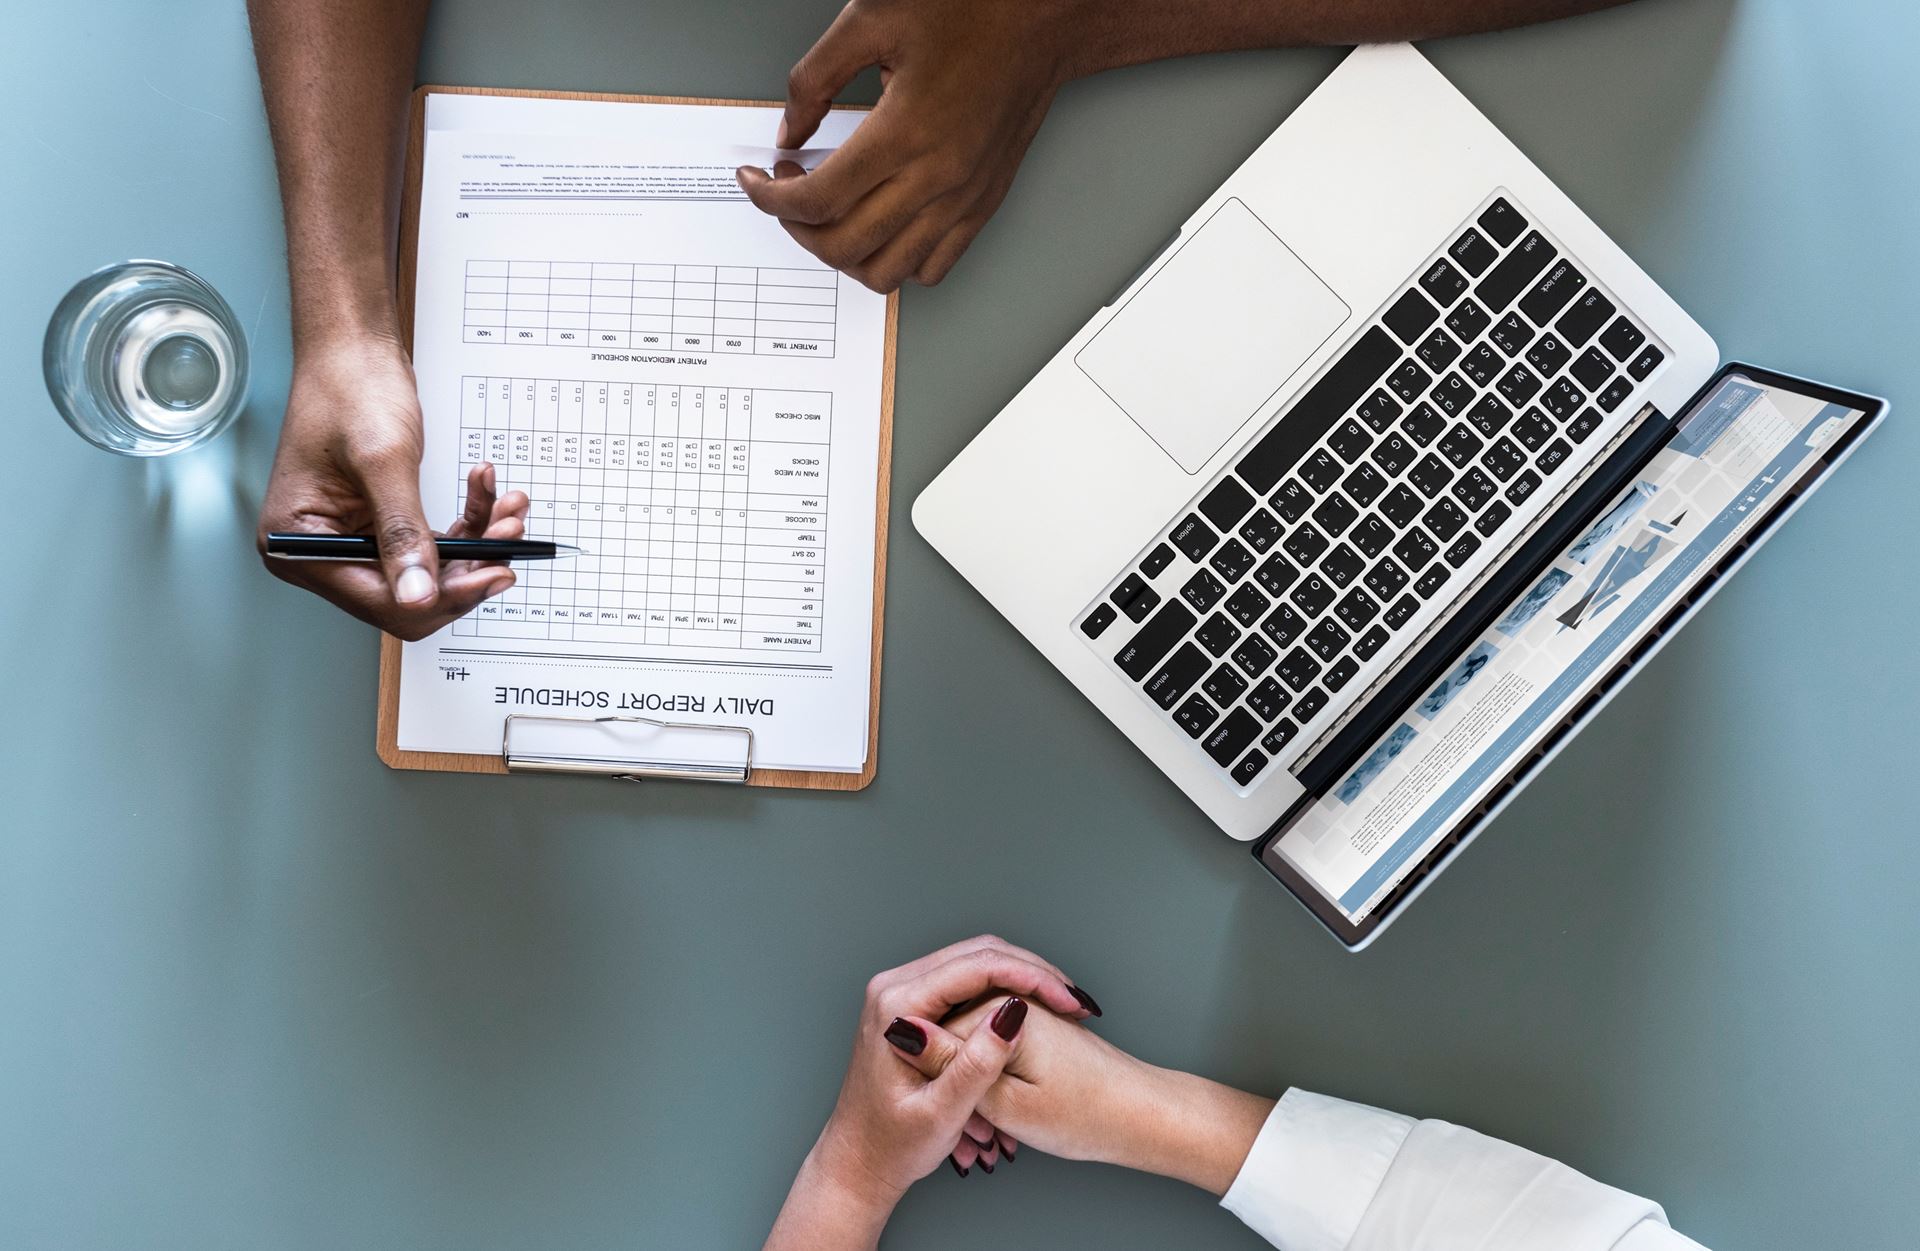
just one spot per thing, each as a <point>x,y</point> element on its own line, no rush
<point>1111,33</point>
<point>336,75</point>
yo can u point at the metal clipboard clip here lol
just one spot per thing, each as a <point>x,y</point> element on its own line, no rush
<point>597,737</point>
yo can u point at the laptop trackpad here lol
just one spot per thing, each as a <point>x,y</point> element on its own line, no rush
<point>1213,336</point>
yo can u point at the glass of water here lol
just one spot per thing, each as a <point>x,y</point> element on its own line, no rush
<point>144,358</point>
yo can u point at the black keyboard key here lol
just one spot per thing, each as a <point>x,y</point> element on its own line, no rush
<point>1379,411</point>
<point>1291,500</point>
<point>1409,380</point>
<point>1363,485</point>
<point>1268,699</point>
<point>1585,424</point>
<point>1177,676</point>
<point>1350,440</point>
<point>1385,579</point>
<point>1504,459</point>
<point>1308,706</point>
<point>1356,608</point>
<point>1298,668</point>
<point>1431,475</point>
<point>1315,412</point>
<point>1261,531</point>
<point>1305,544</point>
<point>1502,221</point>
<point>1194,538</point>
<point>1155,562</point>
<point>1548,353</point>
<point>1451,394</point>
<point>1342,565</point>
<point>1616,391</point>
<point>1279,736</point>
<point>1224,685</point>
<point>1515,273</point>
<point>1340,672</point>
<point>1248,768</point>
<point>1489,416</point>
<point>1140,605</point>
<point>1444,519</point>
<point>1523,487</point>
<point>1393,454</point>
<point>1559,284</point>
<point>1284,626</point>
<point>1247,605</point>
<point>1645,363</point>
<point>1335,514</point>
<point>1217,635</point>
<point>1232,561</point>
<point>1473,253</point>
<point>1531,429</point>
<point>1401,612</point>
<point>1401,505</point>
<point>1492,519</point>
<point>1622,339</point>
<point>1512,334</point>
<point>1312,595</point>
<point>1226,504</point>
<point>1592,369</point>
<point>1582,321</point>
<point>1519,385</point>
<point>1424,424</point>
<point>1152,641</point>
<point>1443,283</point>
<point>1203,590</point>
<point>1410,315</point>
<point>1196,715</point>
<point>1483,365</point>
<point>1474,489</point>
<point>1368,645</point>
<point>1276,574</point>
<point>1320,471</point>
<point>1255,654</point>
<point>1098,620</point>
<point>1432,580</point>
<point>1467,320</point>
<point>1463,548</point>
<point>1415,548</point>
<point>1328,640</point>
<point>1552,456</point>
<point>1460,445</point>
<point>1562,399</point>
<point>1128,590</point>
<point>1371,536</point>
<point>1437,350</point>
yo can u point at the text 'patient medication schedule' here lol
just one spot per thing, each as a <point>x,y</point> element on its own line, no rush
<point>680,390</point>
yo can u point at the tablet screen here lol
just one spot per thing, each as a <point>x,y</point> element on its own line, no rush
<point>1732,461</point>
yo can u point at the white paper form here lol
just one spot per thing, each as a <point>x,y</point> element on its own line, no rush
<point>681,390</point>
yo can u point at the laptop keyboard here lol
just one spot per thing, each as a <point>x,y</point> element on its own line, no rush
<point>1472,394</point>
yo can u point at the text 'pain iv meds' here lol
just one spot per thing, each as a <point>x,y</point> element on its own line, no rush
<point>145,359</point>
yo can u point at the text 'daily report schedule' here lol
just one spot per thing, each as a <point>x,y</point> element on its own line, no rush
<point>703,510</point>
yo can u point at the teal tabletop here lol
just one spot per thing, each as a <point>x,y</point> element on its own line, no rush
<point>260,991</point>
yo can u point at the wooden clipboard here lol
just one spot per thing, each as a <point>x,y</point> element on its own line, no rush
<point>388,728</point>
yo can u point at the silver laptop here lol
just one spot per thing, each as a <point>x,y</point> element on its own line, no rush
<point>1288,474</point>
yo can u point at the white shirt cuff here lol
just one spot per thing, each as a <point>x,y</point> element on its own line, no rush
<point>1314,1169</point>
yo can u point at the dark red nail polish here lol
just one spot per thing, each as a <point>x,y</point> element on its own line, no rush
<point>1008,1018</point>
<point>907,1036</point>
<point>956,1166</point>
<point>986,1167</point>
<point>1086,1000</point>
<point>1006,1147</point>
<point>984,1146</point>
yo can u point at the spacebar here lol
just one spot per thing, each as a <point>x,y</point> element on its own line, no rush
<point>1314,413</point>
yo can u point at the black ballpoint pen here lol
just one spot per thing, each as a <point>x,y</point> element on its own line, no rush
<point>364,547</point>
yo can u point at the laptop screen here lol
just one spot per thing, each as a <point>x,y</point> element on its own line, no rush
<point>1732,460</point>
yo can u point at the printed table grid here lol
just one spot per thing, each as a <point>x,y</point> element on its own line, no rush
<point>681,308</point>
<point>702,509</point>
